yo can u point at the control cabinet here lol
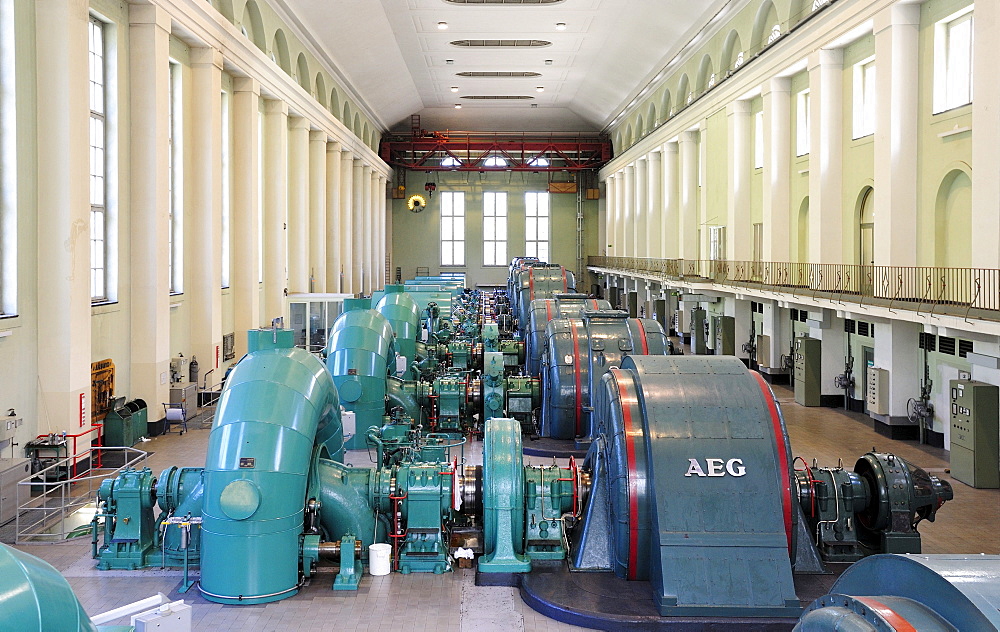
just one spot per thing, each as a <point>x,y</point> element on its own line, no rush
<point>975,433</point>
<point>698,324</point>
<point>764,351</point>
<point>877,393</point>
<point>11,471</point>
<point>808,370</point>
<point>725,335</point>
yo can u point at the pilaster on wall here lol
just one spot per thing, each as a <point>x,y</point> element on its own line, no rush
<point>641,219</point>
<point>246,229</point>
<point>777,165</point>
<point>609,246</point>
<point>275,207</point>
<point>358,236</point>
<point>688,224</point>
<point>347,226</point>
<point>628,214</point>
<point>669,225</point>
<point>203,226</point>
<point>620,215</point>
<point>63,263</point>
<point>654,206</point>
<point>368,236</point>
<point>334,231</point>
<point>380,205</point>
<point>738,246</point>
<point>896,50</point>
<point>298,205</point>
<point>985,138</point>
<point>317,211</point>
<point>149,72</point>
<point>826,150</point>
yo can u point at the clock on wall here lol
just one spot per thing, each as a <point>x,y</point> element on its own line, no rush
<point>416,203</point>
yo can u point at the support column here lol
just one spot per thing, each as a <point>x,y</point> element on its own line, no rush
<point>985,139</point>
<point>896,52</point>
<point>298,206</point>
<point>739,246</point>
<point>275,207</point>
<point>63,289</point>
<point>246,230</point>
<point>688,225</point>
<point>628,214</point>
<point>620,208</point>
<point>670,223</point>
<point>364,218</point>
<point>358,235</point>
<point>203,225</point>
<point>371,187</point>
<point>347,227</point>
<point>334,256</point>
<point>777,169</point>
<point>609,246</point>
<point>381,207</point>
<point>641,221</point>
<point>654,205</point>
<point>826,152</point>
<point>894,350</point>
<point>317,211</point>
<point>149,102</point>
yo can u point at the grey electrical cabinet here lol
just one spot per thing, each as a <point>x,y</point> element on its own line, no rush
<point>808,370</point>
<point>185,396</point>
<point>698,335</point>
<point>725,335</point>
<point>975,433</point>
<point>12,471</point>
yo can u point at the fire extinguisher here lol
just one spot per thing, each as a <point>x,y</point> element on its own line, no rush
<point>193,370</point>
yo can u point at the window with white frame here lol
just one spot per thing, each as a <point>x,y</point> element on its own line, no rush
<point>802,123</point>
<point>758,140</point>
<point>953,61</point>
<point>452,228</point>
<point>226,197</point>
<point>717,243</point>
<point>758,241</point>
<point>494,228</point>
<point>175,179</point>
<point>864,98</point>
<point>98,163</point>
<point>536,224</point>
<point>8,160</point>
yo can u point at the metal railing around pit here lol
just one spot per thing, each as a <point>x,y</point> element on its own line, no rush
<point>45,507</point>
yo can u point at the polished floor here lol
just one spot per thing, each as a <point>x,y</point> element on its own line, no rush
<point>452,601</point>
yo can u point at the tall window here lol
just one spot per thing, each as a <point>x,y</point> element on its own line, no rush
<point>864,98</point>
<point>536,224</point>
<point>758,242</point>
<point>98,164</point>
<point>494,229</point>
<point>175,179</point>
<point>717,243</point>
<point>758,140</point>
<point>953,61</point>
<point>802,123</point>
<point>452,228</point>
<point>226,200</point>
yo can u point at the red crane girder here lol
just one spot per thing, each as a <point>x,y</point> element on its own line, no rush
<point>522,152</point>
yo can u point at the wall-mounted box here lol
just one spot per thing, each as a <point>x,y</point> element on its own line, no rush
<point>878,391</point>
<point>808,370</point>
<point>975,433</point>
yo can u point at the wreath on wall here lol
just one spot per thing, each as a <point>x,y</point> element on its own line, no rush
<point>416,203</point>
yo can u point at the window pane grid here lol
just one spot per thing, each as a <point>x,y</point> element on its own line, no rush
<point>452,228</point>
<point>536,224</point>
<point>98,162</point>
<point>494,228</point>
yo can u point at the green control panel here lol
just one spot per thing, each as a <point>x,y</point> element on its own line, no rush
<point>808,365</point>
<point>975,433</point>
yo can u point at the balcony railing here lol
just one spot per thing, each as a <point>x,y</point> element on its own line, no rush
<point>960,291</point>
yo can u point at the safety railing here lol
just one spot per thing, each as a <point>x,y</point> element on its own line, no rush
<point>967,291</point>
<point>52,503</point>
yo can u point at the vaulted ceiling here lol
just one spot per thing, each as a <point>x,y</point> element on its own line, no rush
<point>401,63</point>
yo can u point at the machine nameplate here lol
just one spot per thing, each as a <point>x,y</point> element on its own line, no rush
<point>247,463</point>
<point>716,467</point>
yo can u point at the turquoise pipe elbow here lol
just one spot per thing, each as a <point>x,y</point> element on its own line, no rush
<point>345,497</point>
<point>403,315</point>
<point>357,356</point>
<point>276,404</point>
<point>34,596</point>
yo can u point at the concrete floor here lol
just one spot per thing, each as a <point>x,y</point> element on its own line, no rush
<point>452,601</point>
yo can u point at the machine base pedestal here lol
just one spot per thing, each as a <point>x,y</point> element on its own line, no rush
<point>559,448</point>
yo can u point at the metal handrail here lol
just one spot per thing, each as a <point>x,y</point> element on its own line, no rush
<point>66,495</point>
<point>966,291</point>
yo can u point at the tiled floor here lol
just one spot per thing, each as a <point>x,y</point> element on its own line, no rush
<point>452,601</point>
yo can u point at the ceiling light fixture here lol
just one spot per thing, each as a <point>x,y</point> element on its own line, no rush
<point>560,26</point>
<point>540,89</point>
<point>548,62</point>
<point>442,26</point>
<point>534,105</point>
<point>458,106</point>
<point>454,88</point>
<point>449,61</point>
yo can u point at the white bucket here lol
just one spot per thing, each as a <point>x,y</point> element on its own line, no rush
<point>379,559</point>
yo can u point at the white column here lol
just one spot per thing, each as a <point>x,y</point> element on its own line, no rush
<point>203,222</point>
<point>317,211</point>
<point>358,235</point>
<point>777,169</point>
<point>670,223</point>
<point>896,55</point>
<point>641,220</point>
<point>826,151</point>
<point>246,230</point>
<point>985,138</point>
<point>654,205</point>
<point>628,214</point>
<point>149,90</point>
<point>275,207</point>
<point>347,228</point>
<point>894,348</point>
<point>298,205</point>
<point>63,289</point>
<point>371,222</point>
<point>609,247</point>
<point>333,224</point>
<point>688,225</point>
<point>739,233</point>
<point>381,204</point>
<point>620,210</point>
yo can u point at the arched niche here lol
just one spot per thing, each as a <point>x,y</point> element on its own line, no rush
<point>302,72</point>
<point>321,89</point>
<point>705,75</point>
<point>802,232</point>
<point>953,221</point>
<point>279,48</point>
<point>254,25</point>
<point>763,26</point>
